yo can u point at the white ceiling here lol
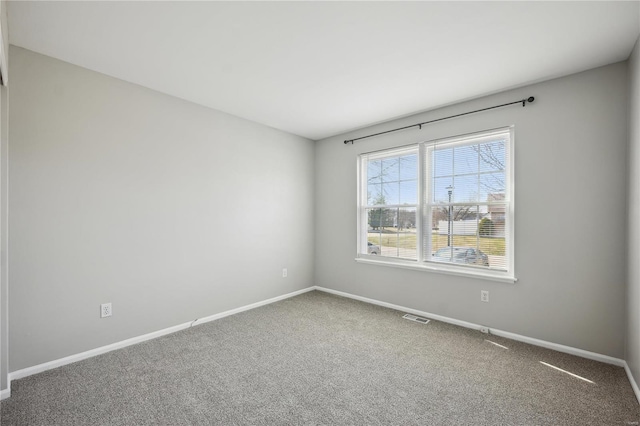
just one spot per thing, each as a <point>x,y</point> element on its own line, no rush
<point>317,69</point>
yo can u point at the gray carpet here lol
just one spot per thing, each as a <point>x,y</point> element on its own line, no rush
<point>322,359</point>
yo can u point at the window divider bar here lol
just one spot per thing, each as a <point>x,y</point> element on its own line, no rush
<point>393,206</point>
<point>420,211</point>
<point>469,203</point>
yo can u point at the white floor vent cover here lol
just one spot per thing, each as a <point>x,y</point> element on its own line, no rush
<point>415,318</point>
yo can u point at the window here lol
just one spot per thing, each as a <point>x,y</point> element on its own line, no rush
<point>444,205</point>
<point>392,203</point>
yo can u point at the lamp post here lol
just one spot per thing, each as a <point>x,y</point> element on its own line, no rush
<point>449,191</point>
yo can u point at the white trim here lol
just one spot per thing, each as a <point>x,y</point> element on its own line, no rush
<point>3,63</point>
<point>4,68</point>
<point>481,136</point>
<point>510,217</point>
<point>536,342</point>
<point>422,217</point>
<point>360,212</point>
<point>401,308</point>
<point>441,269</point>
<point>634,385</point>
<point>19,374</point>
<point>251,306</point>
<point>25,372</point>
<point>560,348</point>
<point>6,393</point>
<point>390,152</point>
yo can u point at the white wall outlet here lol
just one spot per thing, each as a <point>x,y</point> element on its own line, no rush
<point>105,310</point>
<point>284,273</point>
<point>484,295</point>
<point>484,329</point>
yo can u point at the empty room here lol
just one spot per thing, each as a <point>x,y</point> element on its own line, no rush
<point>305,213</point>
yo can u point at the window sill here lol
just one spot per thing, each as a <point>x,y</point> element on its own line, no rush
<point>441,269</point>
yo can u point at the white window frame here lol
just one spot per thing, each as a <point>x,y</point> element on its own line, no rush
<point>423,215</point>
<point>362,195</point>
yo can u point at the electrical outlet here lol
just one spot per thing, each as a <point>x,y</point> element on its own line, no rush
<point>484,329</point>
<point>284,273</point>
<point>484,295</point>
<point>105,310</point>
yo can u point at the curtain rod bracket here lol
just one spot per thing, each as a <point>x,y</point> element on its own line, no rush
<point>529,99</point>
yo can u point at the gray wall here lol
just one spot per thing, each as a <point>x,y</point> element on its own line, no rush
<point>633,253</point>
<point>570,150</point>
<point>169,210</point>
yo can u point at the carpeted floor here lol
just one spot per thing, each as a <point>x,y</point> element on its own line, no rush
<point>322,359</point>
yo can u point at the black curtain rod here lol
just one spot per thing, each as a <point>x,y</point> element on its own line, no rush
<point>521,101</point>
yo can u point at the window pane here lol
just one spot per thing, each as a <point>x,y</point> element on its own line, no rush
<point>409,192</point>
<point>442,164</point>
<point>380,219</point>
<point>409,167</point>
<point>441,188</point>
<point>466,235</point>
<point>374,171</point>
<point>373,219</point>
<point>407,238</point>
<point>495,218</point>
<point>394,234</point>
<point>492,183</point>
<point>391,169</point>
<point>492,156</point>
<point>407,220</point>
<point>466,159</point>
<point>393,180</point>
<point>390,193</point>
<point>374,195</point>
<point>495,249</point>
<point>465,188</point>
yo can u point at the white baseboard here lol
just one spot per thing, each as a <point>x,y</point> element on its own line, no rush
<point>560,348</point>
<point>401,308</point>
<point>549,345</point>
<point>251,306</point>
<point>19,374</point>
<point>128,342</point>
<point>634,385</point>
<point>25,372</point>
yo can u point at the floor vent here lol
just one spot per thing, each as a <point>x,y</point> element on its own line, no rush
<point>415,318</point>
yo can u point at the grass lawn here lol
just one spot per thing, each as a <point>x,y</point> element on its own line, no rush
<point>407,239</point>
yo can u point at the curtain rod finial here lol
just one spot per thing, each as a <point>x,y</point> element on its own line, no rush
<point>531,99</point>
